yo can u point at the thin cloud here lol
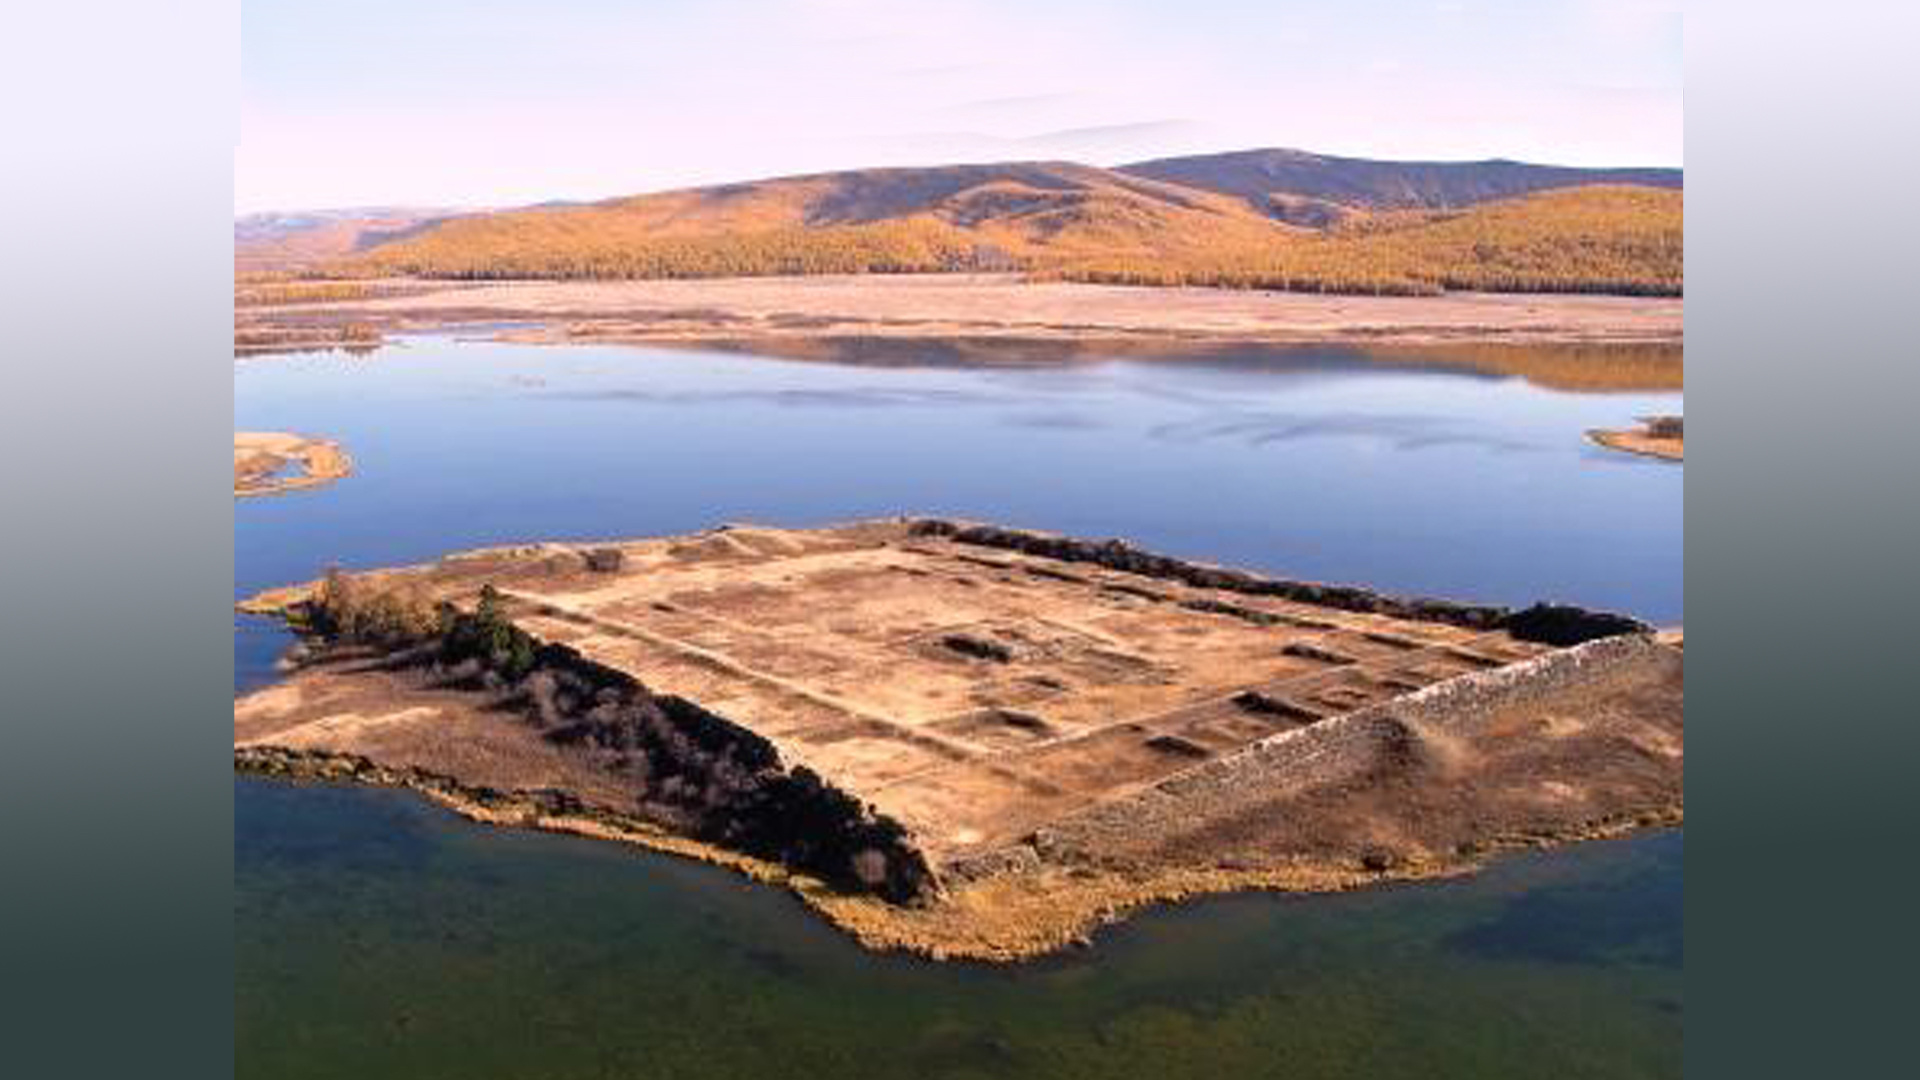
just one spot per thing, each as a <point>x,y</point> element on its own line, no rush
<point>1015,103</point>
<point>1140,129</point>
<point>1136,139</point>
<point>360,103</point>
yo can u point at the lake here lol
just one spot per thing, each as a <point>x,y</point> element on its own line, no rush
<point>380,936</point>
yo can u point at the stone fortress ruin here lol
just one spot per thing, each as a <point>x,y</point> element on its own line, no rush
<point>1008,703</point>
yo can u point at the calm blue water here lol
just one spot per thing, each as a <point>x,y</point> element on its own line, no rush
<point>1416,480</point>
<point>381,937</point>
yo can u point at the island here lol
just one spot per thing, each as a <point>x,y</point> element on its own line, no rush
<point>1662,437</point>
<point>272,462</point>
<point>970,741</point>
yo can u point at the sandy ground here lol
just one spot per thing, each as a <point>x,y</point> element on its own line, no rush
<point>962,305</point>
<point>258,455</point>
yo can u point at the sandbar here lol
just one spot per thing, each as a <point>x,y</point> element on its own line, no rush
<point>273,462</point>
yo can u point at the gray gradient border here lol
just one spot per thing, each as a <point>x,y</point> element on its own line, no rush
<point>116,804</point>
<point>116,653</point>
<point>1804,523</point>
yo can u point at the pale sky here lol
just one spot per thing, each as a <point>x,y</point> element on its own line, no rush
<point>505,102</point>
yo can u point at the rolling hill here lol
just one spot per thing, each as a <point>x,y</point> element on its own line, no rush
<point>961,217</point>
<point>1315,189</point>
<point>1346,226</point>
<point>1613,239</point>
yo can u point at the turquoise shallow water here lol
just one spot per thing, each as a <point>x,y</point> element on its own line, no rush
<point>379,936</point>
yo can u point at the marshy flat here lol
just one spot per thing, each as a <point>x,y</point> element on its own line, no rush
<point>931,307</point>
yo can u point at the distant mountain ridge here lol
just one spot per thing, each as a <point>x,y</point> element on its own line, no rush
<point>288,239</point>
<point>1262,218</point>
<point>1005,216</point>
<point>1317,189</point>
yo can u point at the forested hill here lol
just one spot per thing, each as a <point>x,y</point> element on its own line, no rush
<point>1314,189</point>
<point>1064,220</point>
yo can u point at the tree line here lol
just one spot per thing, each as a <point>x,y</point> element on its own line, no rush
<point>1597,239</point>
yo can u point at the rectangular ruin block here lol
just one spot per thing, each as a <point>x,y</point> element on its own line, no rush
<point>978,684</point>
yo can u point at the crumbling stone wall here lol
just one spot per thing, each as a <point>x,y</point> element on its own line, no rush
<point>1553,624</point>
<point>1331,752</point>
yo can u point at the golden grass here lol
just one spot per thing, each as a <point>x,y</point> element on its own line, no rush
<point>269,294</point>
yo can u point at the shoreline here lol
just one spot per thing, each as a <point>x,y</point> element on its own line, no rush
<point>931,306</point>
<point>1057,914</point>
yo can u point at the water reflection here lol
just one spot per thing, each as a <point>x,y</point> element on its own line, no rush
<point>1415,480</point>
<point>1400,432</point>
